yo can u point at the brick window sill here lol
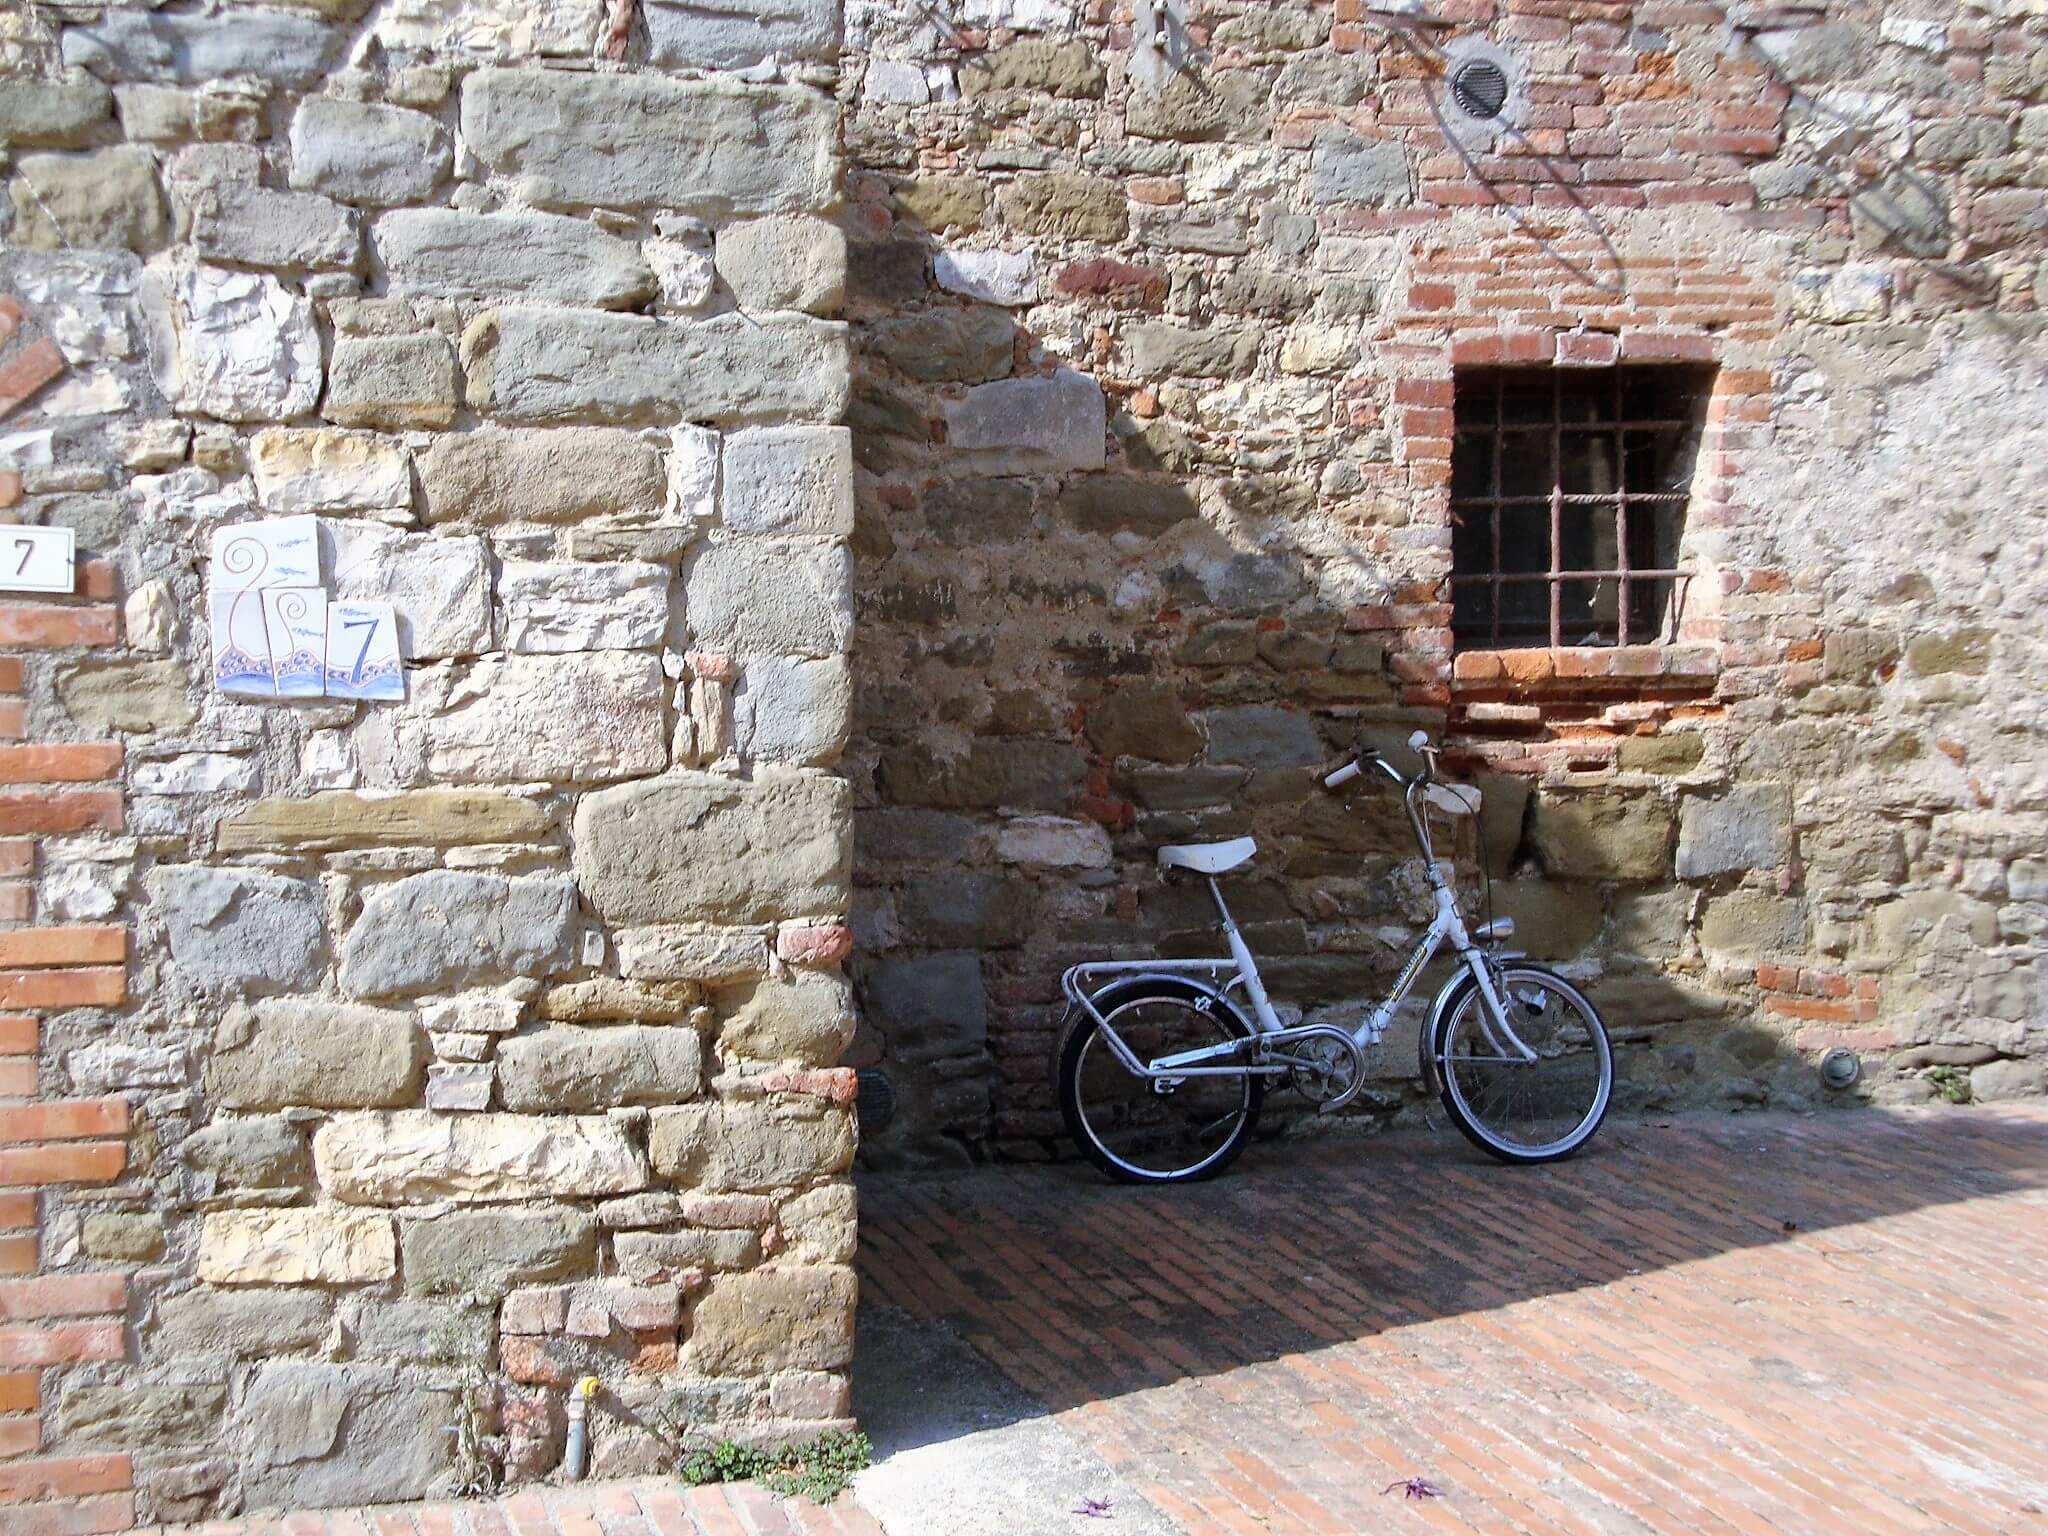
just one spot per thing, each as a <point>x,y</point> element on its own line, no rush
<point>1574,671</point>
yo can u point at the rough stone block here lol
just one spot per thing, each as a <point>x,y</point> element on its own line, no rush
<point>1071,68</point>
<point>316,469</point>
<point>448,928</point>
<point>361,152</point>
<point>576,718</point>
<point>1054,842</point>
<point>1753,925</point>
<point>1038,425</point>
<point>789,480</point>
<point>394,382</point>
<point>493,476</point>
<point>233,926</point>
<point>646,1256</point>
<point>140,1416</point>
<point>1008,278</point>
<point>274,46</point>
<point>335,819</point>
<point>239,1325</point>
<point>248,1153</point>
<point>1261,736</point>
<point>685,952</point>
<point>127,695</point>
<point>561,605</point>
<point>807,1017</point>
<point>692,847</point>
<point>930,1006</point>
<point>487,1253</point>
<point>1347,167</point>
<point>412,1156</point>
<point>777,597</point>
<point>789,710</point>
<point>234,345</point>
<point>261,228</point>
<point>798,1318</point>
<point>966,344</point>
<point>545,365</point>
<point>607,999</point>
<point>440,587</point>
<point>297,1051</point>
<point>712,148</point>
<point>818,1226</point>
<point>313,1435</point>
<point>325,1244</point>
<point>1747,828</point>
<point>594,1069</point>
<point>1017,774</point>
<point>1063,206</point>
<point>52,114</point>
<point>749,1144</point>
<point>738,34</point>
<point>784,263</point>
<point>536,257</point>
<point>121,1237</point>
<point>1603,836</point>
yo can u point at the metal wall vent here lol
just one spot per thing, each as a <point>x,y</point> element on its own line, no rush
<point>1480,87</point>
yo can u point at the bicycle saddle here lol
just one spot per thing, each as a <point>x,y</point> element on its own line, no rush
<point>1207,858</point>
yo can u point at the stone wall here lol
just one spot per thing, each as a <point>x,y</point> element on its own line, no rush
<point>1155,357</point>
<point>375,1070</point>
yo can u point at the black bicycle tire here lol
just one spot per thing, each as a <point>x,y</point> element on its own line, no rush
<point>1434,1074</point>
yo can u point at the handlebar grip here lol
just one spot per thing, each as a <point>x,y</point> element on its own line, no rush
<point>1342,776</point>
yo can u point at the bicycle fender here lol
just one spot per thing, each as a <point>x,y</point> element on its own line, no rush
<point>1447,998</point>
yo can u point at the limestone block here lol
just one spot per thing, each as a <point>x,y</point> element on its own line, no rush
<point>931,1006</point>
<point>1054,842</point>
<point>416,1333</point>
<point>786,262</point>
<point>818,1226</point>
<point>1071,69</point>
<point>140,1416</point>
<point>602,999</point>
<point>565,1068</point>
<point>240,1325</point>
<point>1261,736</point>
<point>261,228</point>
<point>492,476</point>
<point>542,365</point>
<point>969,344</point>
<point>1171,349</point>
<point>335,819</point>
<point>296,1051</point>
<point>275,46</point>
<point>961,908</point>
<point>364,153</point>
<point>105,200</point>
<point>749,1144</point>
<point>1064,206</point>
<point>577,718</point>
<point>234,345</point>
<point>123,1238</point>
<point>1603,836</point>
<point>1039,425</point>
<point>487,1253</point>
<point>409,1156</point>
<point>684,269</point>
<point>1008,278</point>
<point>1749,827</point>
<point>314,1435</point>
<point>1747,925</point>
<point>540,257</point>
<point>128,695</point>
<point>225,112</point>
<point>324,1244</point>
<point>898,82</point>
<point>448,928</point>
<point>807,1017</point>
<point>692,847</point>
<point>780,597</point>
<point>394,382</point>
<point>234,926</point>
<point>1996,1080</point>
<point>483,30</point>
<point>562,605</point>
<point>440,587</point>
<point>459,1086</point>
<point>255,1152</point>
<point>1192,109</point>
<point>1347,167</point>
<point>789,480</point>
<point>484,1013</point>
<point>942,202</point>
<point>796,1318</point>
<point>789,710</point>
<point>1018,774</point>
<point>653,1256</point>
<point>683,952</point>
<point>316,469</point>
<point>52,114</point>
<point>1144,721</point>
<point>712,148</point>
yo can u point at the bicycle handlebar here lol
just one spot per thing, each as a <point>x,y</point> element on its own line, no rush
<point>1366,758</point>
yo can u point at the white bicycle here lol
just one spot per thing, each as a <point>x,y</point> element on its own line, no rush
<point>1161,1071</point>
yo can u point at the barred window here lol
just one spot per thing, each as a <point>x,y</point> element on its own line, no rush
<point>1568,494</point>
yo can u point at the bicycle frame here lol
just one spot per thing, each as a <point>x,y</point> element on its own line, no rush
<point>1237,1058</point>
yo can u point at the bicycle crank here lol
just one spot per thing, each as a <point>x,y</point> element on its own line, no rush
<point>1329,1069</point>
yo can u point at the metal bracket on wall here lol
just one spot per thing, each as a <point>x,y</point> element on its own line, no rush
<point>1159,41</point>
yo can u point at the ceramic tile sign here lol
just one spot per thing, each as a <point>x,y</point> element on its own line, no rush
<point>295,622</point>
<point>277,552</point>
<point>252,637</point>
<point>38,560</point>
<point>362,652</point>
<point>241,646</point>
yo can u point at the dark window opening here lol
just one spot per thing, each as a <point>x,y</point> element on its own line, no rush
<point>1568,492</point>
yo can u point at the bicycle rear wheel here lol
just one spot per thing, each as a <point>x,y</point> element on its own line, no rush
<point>1517,1110</point>
<point>1141,1131</point>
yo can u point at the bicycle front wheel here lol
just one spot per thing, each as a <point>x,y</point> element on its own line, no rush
<point>1518,1110</point>
<point>1153,1131</point>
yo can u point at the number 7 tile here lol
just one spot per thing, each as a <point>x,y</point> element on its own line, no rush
<point>362,652</point>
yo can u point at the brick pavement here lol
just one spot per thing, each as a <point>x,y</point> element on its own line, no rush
<point>1745,1324</point>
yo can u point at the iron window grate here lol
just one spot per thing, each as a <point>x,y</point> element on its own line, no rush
<point>1568,496</point>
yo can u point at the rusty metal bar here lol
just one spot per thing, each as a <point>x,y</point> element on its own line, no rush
<point>1603,575</point>
<point>1556,507</point>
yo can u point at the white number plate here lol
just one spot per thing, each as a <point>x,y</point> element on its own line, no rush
<point>37,559</point>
